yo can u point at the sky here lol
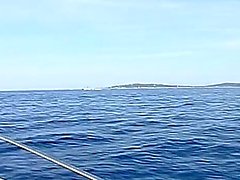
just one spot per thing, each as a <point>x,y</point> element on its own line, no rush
<point>71,44</point>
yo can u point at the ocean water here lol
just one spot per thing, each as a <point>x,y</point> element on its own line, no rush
<point>123,134</point>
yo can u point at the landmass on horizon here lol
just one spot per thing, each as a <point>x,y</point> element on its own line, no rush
<point>136,86</point>
<point>152,86</point>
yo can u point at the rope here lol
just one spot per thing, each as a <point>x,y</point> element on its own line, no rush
<point>46,157</point>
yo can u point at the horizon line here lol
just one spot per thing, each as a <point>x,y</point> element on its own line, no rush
<point>107,87</point>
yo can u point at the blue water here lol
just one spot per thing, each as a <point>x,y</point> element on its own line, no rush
<point>123,134</point>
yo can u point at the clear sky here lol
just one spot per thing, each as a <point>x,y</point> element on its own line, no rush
<point>52,44</point>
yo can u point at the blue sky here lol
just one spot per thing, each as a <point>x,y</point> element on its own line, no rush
<point>61,44</point>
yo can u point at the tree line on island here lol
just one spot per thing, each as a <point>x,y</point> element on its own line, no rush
<point>142,85</point>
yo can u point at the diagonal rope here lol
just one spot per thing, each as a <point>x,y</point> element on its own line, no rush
<point>53,160</point>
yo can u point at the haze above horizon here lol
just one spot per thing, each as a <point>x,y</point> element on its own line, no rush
<point>72,44</point>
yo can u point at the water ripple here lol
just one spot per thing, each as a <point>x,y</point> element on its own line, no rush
<point>123,134</point>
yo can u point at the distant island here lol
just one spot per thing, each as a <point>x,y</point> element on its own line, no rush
<point>225,85</point>
<point>155,86</point>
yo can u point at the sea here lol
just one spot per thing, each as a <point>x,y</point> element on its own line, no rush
<point>151,134</point>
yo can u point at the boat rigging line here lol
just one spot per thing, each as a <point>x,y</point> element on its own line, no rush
<point>48,158</point>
